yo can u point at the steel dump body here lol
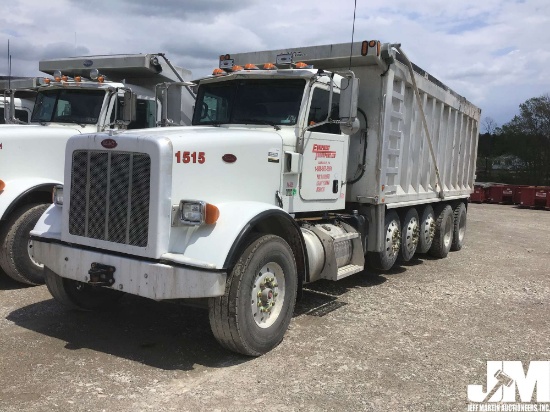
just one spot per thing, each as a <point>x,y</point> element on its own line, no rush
<point>399,169</point>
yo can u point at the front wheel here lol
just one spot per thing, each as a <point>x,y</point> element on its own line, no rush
<point>254,313</point>
<point>16,257</point>
<point>80,296</point>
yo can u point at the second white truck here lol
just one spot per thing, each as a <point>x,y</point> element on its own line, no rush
<point>84,95</point>
<point>301,165</point>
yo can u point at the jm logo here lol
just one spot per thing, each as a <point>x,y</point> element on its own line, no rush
<point>503,378</point>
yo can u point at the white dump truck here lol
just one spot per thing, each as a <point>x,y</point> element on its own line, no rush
<point>86,94</point>
<point>17,96</point>
<point>301,165</point>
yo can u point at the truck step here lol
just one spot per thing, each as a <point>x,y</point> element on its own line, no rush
<point>345,236</point>
<point>348,270</point>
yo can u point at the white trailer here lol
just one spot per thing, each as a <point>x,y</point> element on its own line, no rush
<point>86,94</point>
<point>293,172</point>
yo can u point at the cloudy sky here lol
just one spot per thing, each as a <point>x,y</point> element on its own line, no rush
<point>496,53</point>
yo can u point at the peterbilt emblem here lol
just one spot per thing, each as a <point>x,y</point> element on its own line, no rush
<point>109,143</point>
<point>88,63</point>
<point>229,158</point>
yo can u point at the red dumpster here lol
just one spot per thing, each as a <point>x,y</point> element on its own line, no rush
<point>516,196</point>
<point>478,196</point>
<point>494,194</point>
<point>508,193</point>
<point>534,196</point>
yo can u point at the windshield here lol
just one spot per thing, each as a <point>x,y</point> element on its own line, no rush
<point>249,101</point>
<point>68,106</point>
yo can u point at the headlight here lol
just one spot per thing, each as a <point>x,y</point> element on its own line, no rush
<point>57,195</point>
<point>196,212</point>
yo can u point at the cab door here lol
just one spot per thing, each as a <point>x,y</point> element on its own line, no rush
<point>324,150</point>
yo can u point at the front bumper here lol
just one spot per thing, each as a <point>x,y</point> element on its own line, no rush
<point>149,279</point>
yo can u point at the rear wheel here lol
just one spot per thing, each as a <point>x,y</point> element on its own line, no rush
<point>410,232</point>
<point>427,229</point>
<point>443,236</point>
<point>78,295</point>
<point>16,257</point>
<point>253,315</point>
<point>385,259</point>
<point>459,227</point>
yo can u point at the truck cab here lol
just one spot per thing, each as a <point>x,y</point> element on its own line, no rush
<point>84,95</point>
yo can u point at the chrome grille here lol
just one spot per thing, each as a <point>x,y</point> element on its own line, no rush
<point>110,196</point>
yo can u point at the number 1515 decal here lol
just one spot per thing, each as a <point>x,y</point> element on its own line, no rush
<point>190,157</point>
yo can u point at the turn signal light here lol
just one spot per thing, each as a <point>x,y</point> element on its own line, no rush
<point>2,185</point>
<point>211,214</point>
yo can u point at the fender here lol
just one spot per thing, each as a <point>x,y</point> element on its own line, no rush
<point>16,190</point>
<point>221,243</point>
<point>49,224</point>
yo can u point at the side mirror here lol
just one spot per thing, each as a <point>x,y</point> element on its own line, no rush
<point>129,106</point>
<point>349,94</point>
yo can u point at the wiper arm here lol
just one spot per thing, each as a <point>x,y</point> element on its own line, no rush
<point>259,121</point>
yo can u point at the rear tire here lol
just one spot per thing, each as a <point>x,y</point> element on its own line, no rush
<point>15,252</point>
<point>385,259</point>
<point>427,229</point>
<point>80,296</point>
<point>410,232</point>
<point>459,227</point>
<point>443,237</point>
<point>253,315</point>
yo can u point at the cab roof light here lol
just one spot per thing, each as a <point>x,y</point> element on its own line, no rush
<point>237,68</point>
<point>65,78</point>
<point>77,79</point>
<point>301,65</point>
<point>250,66</point>
<point>47,81</point>
<point>270,66</point>
<point>218,72</point>
<point>101,79</point>
<point>2,185</point>
<point>57,75</point>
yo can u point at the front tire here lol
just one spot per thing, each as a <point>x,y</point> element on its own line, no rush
<point>80,296</point>
<point>16,258</point>
<point>255,312</point>
<point>385,259</point>
<point>443,237</point>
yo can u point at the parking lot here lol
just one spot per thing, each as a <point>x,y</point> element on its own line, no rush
<point>409,340</point>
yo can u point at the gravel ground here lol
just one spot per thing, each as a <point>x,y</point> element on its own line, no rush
<point>408,340</point>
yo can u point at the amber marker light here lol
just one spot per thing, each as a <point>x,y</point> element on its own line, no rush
<point>269,66</point>
<point>218,72</point>
<point>301,65</point>
<point>250,66</point>
<point>237,68</point>
<point>78,79</point>
<point>2,185</point>
<point>47,81</point>
<point>211,214</point>
<point>101,79</point>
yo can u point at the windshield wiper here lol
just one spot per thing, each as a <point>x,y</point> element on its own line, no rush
<point>258,121</point>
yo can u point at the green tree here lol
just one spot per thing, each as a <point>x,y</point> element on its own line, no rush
<point>527,136</point>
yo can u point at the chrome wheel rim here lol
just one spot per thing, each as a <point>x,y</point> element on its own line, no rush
<point>393,239</point>
<point>268,295</point>
<point>412,235</point>
<point>31,256</point>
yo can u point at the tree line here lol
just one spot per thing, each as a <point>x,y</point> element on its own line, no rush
<point>518,152</point>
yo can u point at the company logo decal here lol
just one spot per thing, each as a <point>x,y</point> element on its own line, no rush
<point>109,143</point>
<point>322,151</point>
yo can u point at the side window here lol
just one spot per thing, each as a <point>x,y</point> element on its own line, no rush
<point>22,115</point>
<point>145,114</point>
<point>318,111</point>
